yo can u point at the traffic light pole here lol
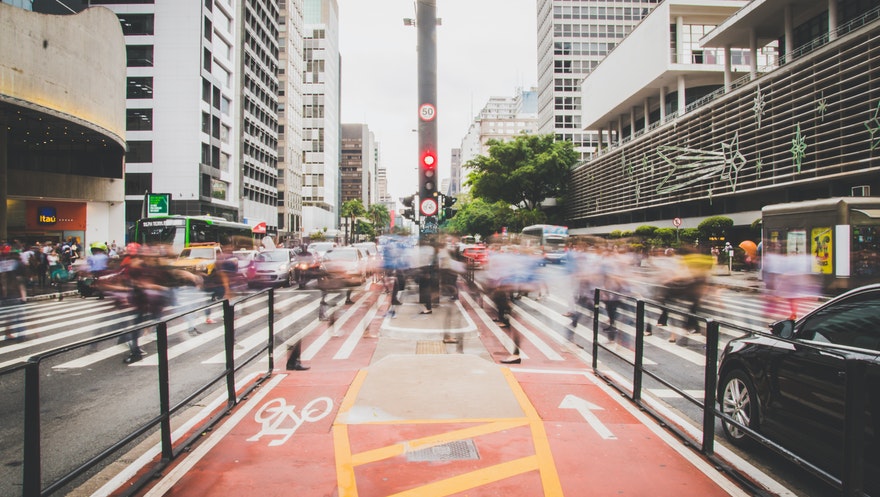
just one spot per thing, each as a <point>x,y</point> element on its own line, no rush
<point>429,207</point>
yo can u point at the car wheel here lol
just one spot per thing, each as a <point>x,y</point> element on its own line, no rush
<point>289,281</point>
<point>740,402</point>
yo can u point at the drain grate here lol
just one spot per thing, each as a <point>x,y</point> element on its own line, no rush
<point>458,450</point>
<point>430,347</point>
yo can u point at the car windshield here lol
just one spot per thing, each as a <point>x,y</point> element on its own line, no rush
<point>273,256</point>
<point>341,255</point>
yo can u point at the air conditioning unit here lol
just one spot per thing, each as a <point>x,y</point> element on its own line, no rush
<point>861,191</point>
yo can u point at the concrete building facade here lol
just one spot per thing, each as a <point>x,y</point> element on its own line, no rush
<point>290,109</point>
<point>573,37</point>
<point>803,127</point>
<point>62,126</point>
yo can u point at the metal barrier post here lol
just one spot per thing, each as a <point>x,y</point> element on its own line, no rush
<point>32,477</point>
<point>596,301</point>
<point>710,381</point>
<point>229,343</point>
<point>639,352</point>
<point>271,329</point>
<point>854,429</point>
<point>164,391</point>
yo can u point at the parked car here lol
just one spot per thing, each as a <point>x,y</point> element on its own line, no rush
<point>790,385</point>
<point>374,257</point>
<point>321,248</point>
<point>307,267</point>
<point>244,258</point>
<point>272,268</point>
<point>199,257</point>
<point>346,265</point>
<point>479,254</point>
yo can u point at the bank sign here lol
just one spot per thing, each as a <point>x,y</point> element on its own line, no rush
<point>47,216</point>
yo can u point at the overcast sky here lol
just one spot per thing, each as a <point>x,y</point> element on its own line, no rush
<point>485,48</point>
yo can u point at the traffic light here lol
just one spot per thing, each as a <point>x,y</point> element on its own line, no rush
<point>428,182</point>
<point>408,202</point>
<point>448,202</point>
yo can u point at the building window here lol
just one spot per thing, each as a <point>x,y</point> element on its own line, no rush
<point>136,24</point>
<point>139,55</point>
<point>139,151</point>
<point>139,119</point>
<point>139,87</point>
<point>138,183</point>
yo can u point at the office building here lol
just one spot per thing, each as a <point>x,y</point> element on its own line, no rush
<point>290,109</point>
<point>573,37</point>
<point>321,116</point>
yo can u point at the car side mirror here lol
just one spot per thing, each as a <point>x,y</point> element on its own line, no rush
<point>783,329</point>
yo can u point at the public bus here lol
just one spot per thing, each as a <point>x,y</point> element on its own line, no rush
<point>547,239</point>
<point>182,231</point>
<point>839,238</point>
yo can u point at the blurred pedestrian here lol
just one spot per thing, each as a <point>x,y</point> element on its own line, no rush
<point>149,296</point>
<point>13,292</point>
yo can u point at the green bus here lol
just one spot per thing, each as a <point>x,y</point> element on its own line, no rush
<point>179,232</point>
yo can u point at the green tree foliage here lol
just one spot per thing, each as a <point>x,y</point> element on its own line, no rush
<point>352,209</point>
<point>646,231</point>
<point>379,216</point>
<point>664,237</point>
<point>715,227</point>
<point>522,172</point>
<point>689,235</point>
<point>481,217</point>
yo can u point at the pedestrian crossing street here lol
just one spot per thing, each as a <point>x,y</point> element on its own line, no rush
<point>541,322</point>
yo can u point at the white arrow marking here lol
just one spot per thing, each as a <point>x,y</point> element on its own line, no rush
<point>586,410</point>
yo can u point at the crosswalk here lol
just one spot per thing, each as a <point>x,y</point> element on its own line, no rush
<point>545,331</point>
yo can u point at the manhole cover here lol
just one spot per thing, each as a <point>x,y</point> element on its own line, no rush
<point>458,450</point>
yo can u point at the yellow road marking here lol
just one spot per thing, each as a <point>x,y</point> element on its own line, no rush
<point>547,467</point>
<point>473,479</point>
<point>345,479</point>
<point>439,439</point>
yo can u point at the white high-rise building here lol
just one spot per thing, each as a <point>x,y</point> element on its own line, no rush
<point>258,108</point>
<point>290,109</point>
<point>182,138</point>
<point>573,36</point>
<point>321,116</point>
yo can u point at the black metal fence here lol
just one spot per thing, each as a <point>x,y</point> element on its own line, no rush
<point>48,466</point>
<point>849,483</point>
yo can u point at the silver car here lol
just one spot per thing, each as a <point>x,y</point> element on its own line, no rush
<point>272,268</point>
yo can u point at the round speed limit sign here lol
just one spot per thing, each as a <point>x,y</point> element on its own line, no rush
<point>427,112</point>
<point>429,207</point>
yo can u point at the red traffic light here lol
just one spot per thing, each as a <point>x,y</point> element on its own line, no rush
<point>429,160</point>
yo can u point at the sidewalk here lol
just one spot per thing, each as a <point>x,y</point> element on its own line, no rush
<point>406,414</point>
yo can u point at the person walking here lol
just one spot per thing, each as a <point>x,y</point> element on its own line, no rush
<point>13,292</point>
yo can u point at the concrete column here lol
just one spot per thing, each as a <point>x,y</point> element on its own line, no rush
<point>4,182</point>
<point>832,20</point>
<point>632,122</point>
<point>789,32</point>
<point>728,68</point>
<point>620,130</point>
<point>753,54</point>
<point>662,104</point>
<point>681,95</point>
<point>647,113</point>
<point>679,50</point>
<point>599,144</point>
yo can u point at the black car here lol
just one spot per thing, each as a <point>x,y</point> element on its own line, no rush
<point>790,385</point>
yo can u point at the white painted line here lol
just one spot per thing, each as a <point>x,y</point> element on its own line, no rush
<point>217,435</point>
<point>357,334</point>
<point>319,343</point>
<point>501,336</point>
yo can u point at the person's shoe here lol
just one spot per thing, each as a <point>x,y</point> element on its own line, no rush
<point>568,314</point>
<point>209,321</point>
<point>513,359</point>
<point>673,338</point>
<point>396,302</point>
<point>649,331</point>
<point>426,312</point>
<point>299,367</point>
<point>349,302</point>
<point>503,325</point>
<point>194,331</point>
<point>133,358</point>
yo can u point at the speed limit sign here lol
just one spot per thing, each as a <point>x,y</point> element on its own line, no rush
<point>427,112</point>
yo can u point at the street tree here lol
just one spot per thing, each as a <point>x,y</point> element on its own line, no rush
<point>351,210</point>
<point>523,172</point>
<point>479,217</point>
<point>379,216</point>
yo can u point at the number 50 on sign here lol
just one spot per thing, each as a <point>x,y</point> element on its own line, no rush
<point>427,112</point>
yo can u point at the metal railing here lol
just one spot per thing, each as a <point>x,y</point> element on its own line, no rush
<point>849,483</point>
<point>34,458</point>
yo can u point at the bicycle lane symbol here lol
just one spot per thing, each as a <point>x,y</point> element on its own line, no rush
<point>280,419</point>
